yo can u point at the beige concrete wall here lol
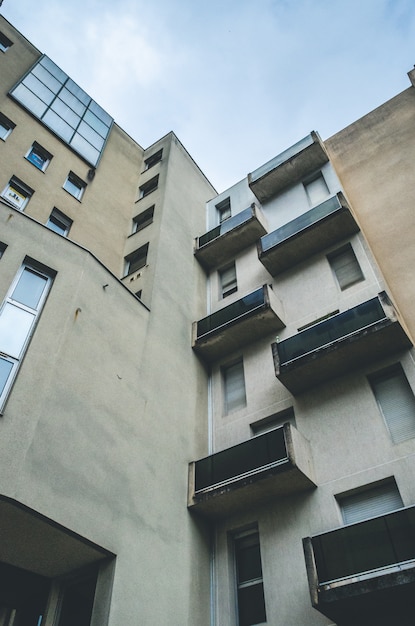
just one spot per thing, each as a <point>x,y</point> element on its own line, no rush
<point>374,158</point>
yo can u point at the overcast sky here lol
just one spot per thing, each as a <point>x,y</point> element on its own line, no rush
<point>238,81</point>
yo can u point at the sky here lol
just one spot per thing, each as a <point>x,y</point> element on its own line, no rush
<point>238,81</point>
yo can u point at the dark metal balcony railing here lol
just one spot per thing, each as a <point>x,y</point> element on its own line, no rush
<point>249,457</point>
<point>330,330</point>
<point>225,227</point>
<point>366,546</point>
<point>326,208</point>
<point>231,313</point>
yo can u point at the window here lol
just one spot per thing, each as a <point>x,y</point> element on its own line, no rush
<point>345,266</point>
<point>224,210</point>
<point>396,402</point>
<point>39,156</point>
<point>249,581</point>
<point>316,189</point>
<point>143,219</point>
<point>18,316</point>
<point>59,222</point>
<point>74,185</point>
<point>17,193</point>
<point>227,281</point>
<point>6,126</point>
<point>139,294</point>
<point>5,42</point>
<point>3,247</point>
<point>54,99</point>
<point>148,187</point>
<point>153,159</point>
<point>372,500</point>
<point>234,386</point>
<point>136,260</point>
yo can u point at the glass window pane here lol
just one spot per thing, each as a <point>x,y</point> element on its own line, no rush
<point>73,102</point>
<point>65,112</point>
<point>96,124</point>
<point>90,135</point>
<point>15,324</point>
<point>78,92</point>
<point>29,288</point>
<point>103,115</point>
<point>251,603</point>
<point>5,370</point>
<point>57,124</point>
<point>84,148</point>
<point>38,88</point>
<point>50,81</point>
<point>53,69</point>
<point>29,100</point>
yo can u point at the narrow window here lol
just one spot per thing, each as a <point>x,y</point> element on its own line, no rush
<point>396,402</point>
<point>17,193</point>
<point>3,247</point>
<point>5,42</point>
<point>143,219</point>
<point>18,316</point>
<point>136,260</point>
<point>234,386</point>
<point>227,281</point>
<point>224,210</point>
<point>74,185</point>
<point>148,187</point>
<point>59,222</point>
<point>370,501</point>
<point>153,159</point>
<point>345,266</point>
<point>249,581</point>
<point>316,189</point>
<point>38,156</point>
<point>6,127</point>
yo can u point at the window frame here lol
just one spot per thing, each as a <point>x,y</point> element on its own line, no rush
<point>148,187</point>
<point>21,189</point>
<point>143,219</point>
<point>241,401</point>
<point>224,210</point>
<point>152,160</point>
<point>8,126</point>
<point>318,176</point>
<point>5,42</point>
<point>242,541</point>
<point>42,153</point>
<point>371,500</point>
<point>77,182</point>
<point>137,256</point>
<point>64,219</point>
<point>333,257</point>
<point>228,283</point>
<point>48,275</point>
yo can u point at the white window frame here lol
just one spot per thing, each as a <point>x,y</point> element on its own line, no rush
<point>57,218</point>
<point>15,360</point>
<point>7,126</point>
<point>17,193</point>
<point>42,153</point>
<point>224,210</point>
<point>75,186</point>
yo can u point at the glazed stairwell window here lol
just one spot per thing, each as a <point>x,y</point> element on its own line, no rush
<point>18,317</point>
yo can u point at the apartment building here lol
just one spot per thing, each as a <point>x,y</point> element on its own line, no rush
<point>207,401</point>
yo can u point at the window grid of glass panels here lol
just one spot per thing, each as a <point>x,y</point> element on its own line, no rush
<point>49,94</point>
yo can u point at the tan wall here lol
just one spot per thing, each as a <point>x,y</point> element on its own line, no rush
<point>374,159</point>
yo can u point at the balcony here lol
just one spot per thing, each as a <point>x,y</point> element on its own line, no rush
<point>315,230</point>
<point>364,573</point>
<point>339,344</point>
<point>231,237</point>
<point>271,465</point>
<point>288,168</point>
<point>252,317</point>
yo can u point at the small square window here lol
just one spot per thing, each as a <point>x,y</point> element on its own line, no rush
<point>148,187</point>
<point>316,189</point>
<point>143,219</point>
<point>5,42</point>
<point>224,210</point>
<point>6,126</point>
<point>153,159</point>
<point>38,156</point>
<point>74,185</point>
<point>345,266</point>
<point>227,281</point>
<point>136,260</point>
<point>17,193</point>
<point>59,222</point>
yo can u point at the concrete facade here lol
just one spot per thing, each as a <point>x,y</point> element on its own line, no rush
<point>200,426</point>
